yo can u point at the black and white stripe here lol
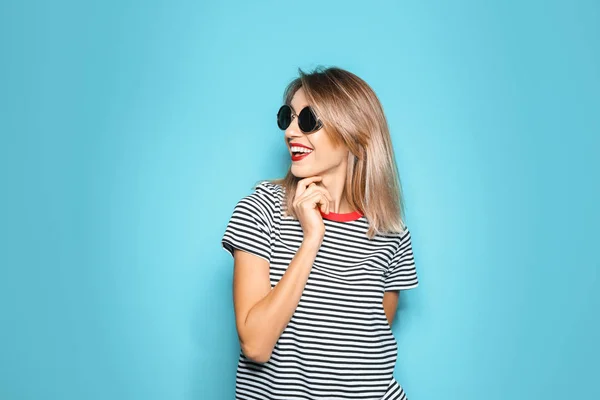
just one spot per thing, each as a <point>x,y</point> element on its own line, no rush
<point>338,344</point>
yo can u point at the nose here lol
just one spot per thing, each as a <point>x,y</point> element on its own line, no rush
<point>293,131</point>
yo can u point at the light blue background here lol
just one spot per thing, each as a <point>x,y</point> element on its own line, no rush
<point>131,128</point>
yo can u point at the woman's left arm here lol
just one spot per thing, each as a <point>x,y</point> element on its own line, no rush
<point>390,304</point>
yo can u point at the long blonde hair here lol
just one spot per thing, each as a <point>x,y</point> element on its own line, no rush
<point>353,116</point>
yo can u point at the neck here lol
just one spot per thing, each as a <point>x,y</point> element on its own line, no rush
<point>335,184</point>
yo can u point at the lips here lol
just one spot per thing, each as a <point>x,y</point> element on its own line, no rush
<point>298,151</point>
<point>299,156</point>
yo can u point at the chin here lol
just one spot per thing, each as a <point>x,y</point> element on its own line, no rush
<point>304,172</point>
<point>299,172</point>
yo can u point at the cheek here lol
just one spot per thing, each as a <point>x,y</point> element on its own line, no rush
<point>330,157</point>
<point>326,152</point>
<point>324,146</point>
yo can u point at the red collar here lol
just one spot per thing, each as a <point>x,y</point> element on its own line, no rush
<point>344,217</point>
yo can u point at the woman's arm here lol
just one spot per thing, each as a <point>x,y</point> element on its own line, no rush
<point>262,313</point>
<point>390,304</point>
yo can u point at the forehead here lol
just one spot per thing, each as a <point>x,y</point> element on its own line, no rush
<point>299,100</point>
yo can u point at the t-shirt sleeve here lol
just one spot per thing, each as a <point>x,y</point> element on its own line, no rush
<point>402,274</point>
<point>249,228</point>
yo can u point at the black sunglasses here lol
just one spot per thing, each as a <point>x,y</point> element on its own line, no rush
<point>307,120</point>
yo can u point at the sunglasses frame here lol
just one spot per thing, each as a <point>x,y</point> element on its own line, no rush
<point>318,126</point>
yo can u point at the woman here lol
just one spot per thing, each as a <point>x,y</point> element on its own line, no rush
<point>324,252</point>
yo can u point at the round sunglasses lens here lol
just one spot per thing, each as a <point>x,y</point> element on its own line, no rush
<point>307,121</point>
<point>284,117</point>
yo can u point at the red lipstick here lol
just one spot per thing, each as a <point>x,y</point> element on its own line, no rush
<point>298,155</point>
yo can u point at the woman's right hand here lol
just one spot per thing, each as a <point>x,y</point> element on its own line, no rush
<point>308,199</point>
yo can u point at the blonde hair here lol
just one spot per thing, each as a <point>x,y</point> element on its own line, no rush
<point>353,116</point>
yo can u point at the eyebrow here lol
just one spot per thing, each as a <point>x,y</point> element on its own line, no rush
<point>290,105</point>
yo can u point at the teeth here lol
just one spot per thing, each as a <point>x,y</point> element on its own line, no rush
<point>296,149</point>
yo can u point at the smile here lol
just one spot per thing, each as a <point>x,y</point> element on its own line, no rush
<point>299,152</point>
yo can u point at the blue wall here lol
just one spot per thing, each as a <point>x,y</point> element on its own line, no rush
<point>130,130</point>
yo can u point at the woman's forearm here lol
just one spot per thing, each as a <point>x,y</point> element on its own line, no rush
<point>267,319</point>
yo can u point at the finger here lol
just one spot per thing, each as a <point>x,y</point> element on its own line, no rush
<point>313,187</point>
<point>304,183</point>
<point>327,194</point>
<point>317,200</point>
<point>323,204</point>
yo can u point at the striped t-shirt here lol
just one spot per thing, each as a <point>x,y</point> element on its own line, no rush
<point>338,343</point>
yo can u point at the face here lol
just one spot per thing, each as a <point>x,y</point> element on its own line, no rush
<point>323,157</point>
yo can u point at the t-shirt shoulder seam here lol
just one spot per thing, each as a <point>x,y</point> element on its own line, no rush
<point>272,190</point>
<point>268,196</point>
